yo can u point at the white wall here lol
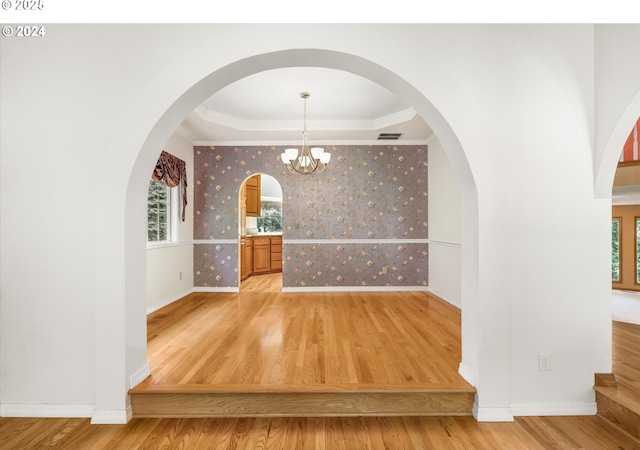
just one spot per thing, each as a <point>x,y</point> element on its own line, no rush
<point>445,270</point>
<point>512,105</point>
<point>617,99</point>
<point>170,267</point>
<point>269,187</point>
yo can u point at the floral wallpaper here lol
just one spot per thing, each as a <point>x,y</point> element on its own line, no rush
<point>367,193</point>
<point>215,265</point>
<point>356,265</point>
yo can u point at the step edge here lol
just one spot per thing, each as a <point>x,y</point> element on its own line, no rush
<point>197,389</point>
<point>356,414</point>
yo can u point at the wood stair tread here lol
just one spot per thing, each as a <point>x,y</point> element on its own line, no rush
<point>299,388</point>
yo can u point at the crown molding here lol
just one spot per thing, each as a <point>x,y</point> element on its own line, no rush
<point>376,142</point>
<point>295,125</point>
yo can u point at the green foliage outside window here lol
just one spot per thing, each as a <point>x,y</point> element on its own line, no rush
<point>270,216</point>
<point>158,212</point>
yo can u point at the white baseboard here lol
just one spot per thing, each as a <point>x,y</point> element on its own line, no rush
<point>216,289</point>
<point>555,409</point>
<point>139,376</point>
<point>111,416</point>
<point>467,374</point>
<point>357,289</point>
<point>168,301</point>
<point>451,301</point>
<point>315,289</point>
<point>46,410</point>
<point>492,414</point>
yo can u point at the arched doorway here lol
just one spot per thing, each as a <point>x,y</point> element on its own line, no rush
<point>128,319</point>
<point>261,217</point>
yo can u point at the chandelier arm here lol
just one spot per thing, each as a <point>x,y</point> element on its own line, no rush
<point>297,172</point>
<point>295,168</point>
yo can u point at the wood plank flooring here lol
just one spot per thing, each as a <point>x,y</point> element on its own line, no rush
<point>585,432</point>
<point>621,404</point>
<point>626,356</point>
<point>262,352</point>
<point>263,336</point>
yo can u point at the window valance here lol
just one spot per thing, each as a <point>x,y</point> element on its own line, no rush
<point>173,172</point>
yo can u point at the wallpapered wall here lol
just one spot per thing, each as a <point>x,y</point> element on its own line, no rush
<point>362,222</point>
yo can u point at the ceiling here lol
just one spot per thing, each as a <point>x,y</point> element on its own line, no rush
<point>626,195</point>
<point>267,107</point>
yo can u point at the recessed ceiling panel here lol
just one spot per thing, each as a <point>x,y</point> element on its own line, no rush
<point>275,95</point>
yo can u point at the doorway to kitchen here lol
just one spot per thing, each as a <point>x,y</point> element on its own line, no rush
<point>260,230</point>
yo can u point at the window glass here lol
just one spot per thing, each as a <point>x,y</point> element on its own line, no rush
<point>270,216</point>
<point>158,212</point>
<point>615,249</point>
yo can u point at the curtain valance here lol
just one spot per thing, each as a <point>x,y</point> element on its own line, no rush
<point>173,172</point>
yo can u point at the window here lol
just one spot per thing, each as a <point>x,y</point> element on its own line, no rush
<point>270,216</point>
<point>615,249</point>
<point>159,212</point>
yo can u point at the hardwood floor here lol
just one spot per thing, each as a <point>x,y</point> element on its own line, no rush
<point>620,403</point>
<point>626,356</point>
<point>264,336</point>
<point>192,320</point>
<point>263,283</point>
<point>262,352</point>
<point>585,432</point>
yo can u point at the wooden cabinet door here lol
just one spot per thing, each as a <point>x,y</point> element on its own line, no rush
<point>261,254</point>
<point>261,258</point>
<point>252,196</point>
<point>247,259</point>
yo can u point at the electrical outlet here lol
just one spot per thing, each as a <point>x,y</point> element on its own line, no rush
<point>384,269</point>
<point>544,362</point>
<point>180,275</point>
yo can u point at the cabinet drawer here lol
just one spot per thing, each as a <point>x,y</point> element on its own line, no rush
<point>276,264</point>
<point>276,245</point>
<point>257,241</point>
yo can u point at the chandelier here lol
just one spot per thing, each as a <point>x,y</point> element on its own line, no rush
<point>307,161</point>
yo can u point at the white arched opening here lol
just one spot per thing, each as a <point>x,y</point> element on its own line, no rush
<point>126,323</point>
<point>605,171</point>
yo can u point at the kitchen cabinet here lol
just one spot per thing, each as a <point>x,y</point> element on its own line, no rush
<point>261,254</point>
<point>276,253</point>
<point>252,196</point>
<point>247,258</point>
